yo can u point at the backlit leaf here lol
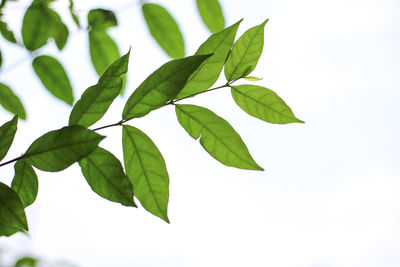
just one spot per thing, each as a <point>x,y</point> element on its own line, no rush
<point>105,175</point>
<point>164,29</point>
<point>263,103</point>
<point>11,102</point>
<point>7,33</point>
<point>12,213</point>
<point>101,19</point>
<point>73,13</point>
<point>216,135</point>
<point>96,100</point>
<point>26,262</point>
<point>161,86</point>
<point>57,150</point>
<point>211,14</point>
<point>146,169</point>
<point>7,133</point>
<point>245,53</point>
<point>54,78</point>
<point>252,78</point>
<point>25,182</point>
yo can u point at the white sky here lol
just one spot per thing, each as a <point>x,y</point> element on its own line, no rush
<point>330,194</point>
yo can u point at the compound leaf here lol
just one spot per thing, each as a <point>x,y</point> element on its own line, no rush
<point>146,169</point>
<point>25,182</point>
<point>211,14</point>
<point>216,135</point>
<point>7,133</point>
<point>11,102</point>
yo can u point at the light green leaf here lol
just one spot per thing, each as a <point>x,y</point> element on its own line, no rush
<point>96,100</point>
<point>211,14</point>
<point>73,13</point>
<point>146,169</point>
<point>7,133</point>
<point>57,150</point>
<point>26,262</point>
<point>161,86</point>
<point>245,53</point>
<point>12,214</point>
<point>216,135</point>
<point>252,78</point>
<point>25,182</point>
<point>207,74</point>
<point>263,103</point>
<point>7,33</point>
<point>106,177</point>
<point>54,78</point>
<point>164,30</point>
<point>11,102</point>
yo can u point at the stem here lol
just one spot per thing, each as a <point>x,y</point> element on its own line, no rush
<point>11,161</point>
<point>110,125</point>
<point>209,90</point>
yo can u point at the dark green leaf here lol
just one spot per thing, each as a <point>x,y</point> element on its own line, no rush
<point>7,133</point>
<point>73,13</point>
<point>164,29</point>
<point>54,78</point>
<point>211,13</point>
<point>105,175</point>
<point>146,169</point>
<point>263,103</point>
<point>245,53</point>
<point>1,59</point>
<point>101,19</point>
<point>216,135</point>
<point>12,214</point>
<point>7,34</point>
<point>11,102</point>
<point>161,86</point>
<point>96,100</point>
<point>25,182</point>
<point>103,50</point>
<point>207,74</point>
<point>26,262</point>
<point>57,150</point>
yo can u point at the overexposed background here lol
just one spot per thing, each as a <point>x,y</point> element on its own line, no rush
<point>329,196</point>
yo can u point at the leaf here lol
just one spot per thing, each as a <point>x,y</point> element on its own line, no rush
<point>161,86</point>
<point>96,100</point>
<point>12,214</point>
<point>26,262</point>
<point>7,33</point>
<point>245,53</point>
<point>263,103</point>
<point>105,175</point>
<point>11,102</point>
<point>54,78</point>
<point>252,78</point>
<point>101,19</point>
<point>207,74</point>
<point>146,169</point>
<point>1,59</point>
<point>164,29</point>
<point>57,150</point>
<point>25,182</point>
<point>211,14</point>
<point>73,13</point>
<point>7,133</point>
<point>216,135</point>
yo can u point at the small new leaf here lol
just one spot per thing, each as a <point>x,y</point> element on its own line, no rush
<point>25,182</point>
<point>252,78</point>
<point>211,14</point>
<point>11,102</point>
<point>145,167</point>
<point>216,135</point>
<point>7,133</point>
<point>263,103</point>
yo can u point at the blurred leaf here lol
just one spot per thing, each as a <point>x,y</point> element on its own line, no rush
<point>252,78</point>
<point>146,169</point>
<point>161,86</point>
<point>26,262</point>
<point>7,34</point>
<point>11,102</point>
<point>101,19</point>
<point>207,74</point>
<point>216,135</point>
<point>73,13</point>
<point>12,214</point>
<point>57,150</point>
<point>164,29</point>
<point>25,182</point>
<point>7,133</point>
<point>106,177</point>
<point>245,53</point>
<point>54,78</point>
<point>211,14</point>
<point>263,103</point>
<point>96,100</point>
<point>1,59</point>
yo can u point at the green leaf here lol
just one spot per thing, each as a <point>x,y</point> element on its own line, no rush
<point>73,13</point>
<point>96,100</point>
<point>164,29</point>
<point>7,133</point>
<point>54,78</point>
<point>12,214</point>
<point>11,102</point>
<point>211,14</point>
<point>207,74</point>
<point>161,86</point>
<point>57,150</point>
<point>252,78</point>
<point>216,135</point>
<point>146,169</point>
<point>7,34</point>
<point>25,182</point>
<point>263,103</point>
<point>106,177</point>
<point>26,262</point>
<point>245,53</point>
<point>1,59</point>
<point>101,19</point>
